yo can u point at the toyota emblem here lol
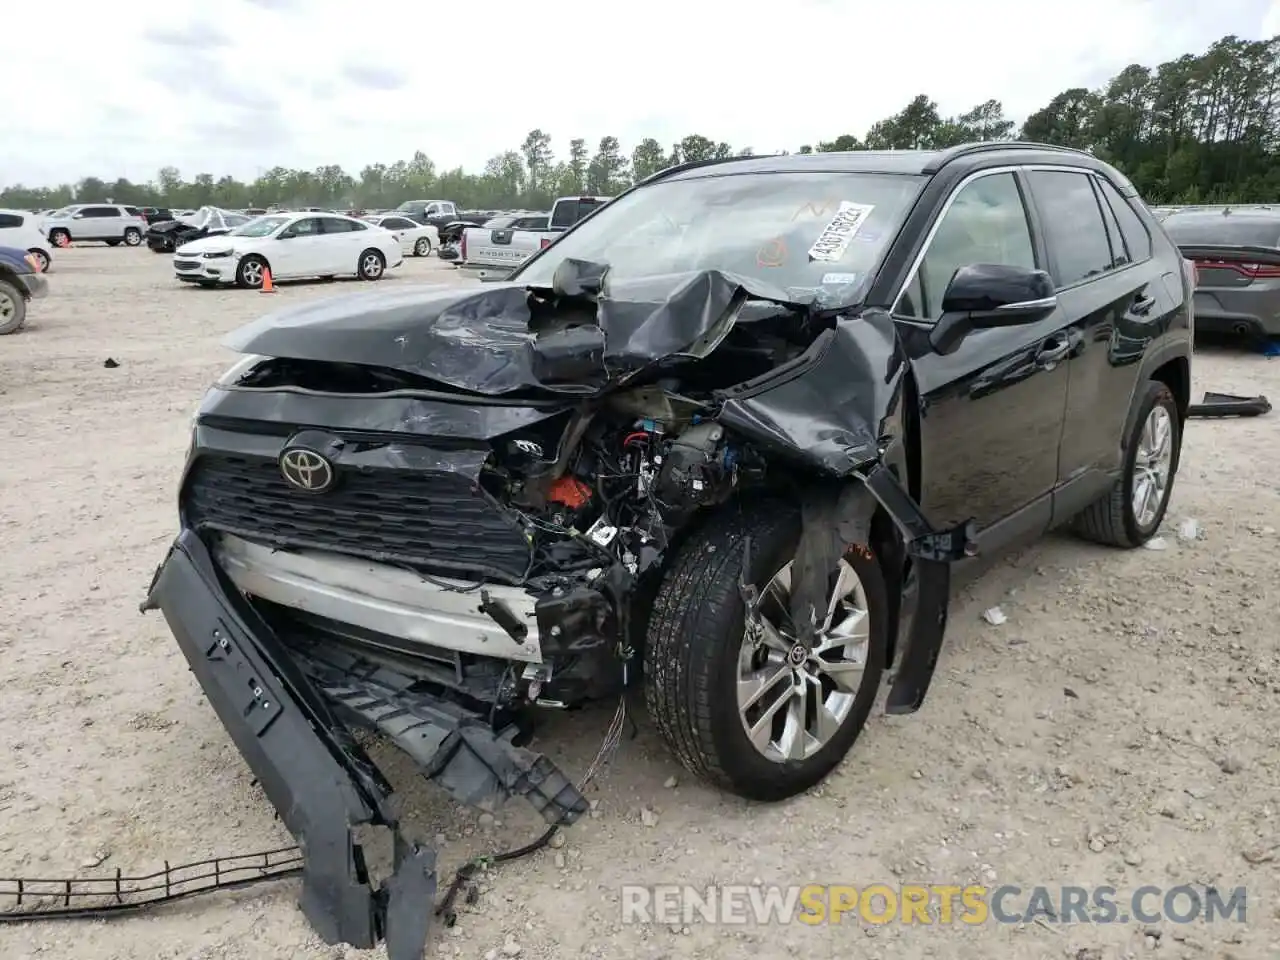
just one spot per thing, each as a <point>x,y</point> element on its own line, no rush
<point>306,470</point>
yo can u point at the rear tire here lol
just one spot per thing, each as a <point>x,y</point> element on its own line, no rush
<point>13,308</point>
<point>371,265</point>
<point>132,237</point>
<point>422,248</point>
<point>696,655</point>
<point>1118,520</point>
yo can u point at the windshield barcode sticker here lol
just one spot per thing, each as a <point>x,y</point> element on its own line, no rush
<point>834,239</point>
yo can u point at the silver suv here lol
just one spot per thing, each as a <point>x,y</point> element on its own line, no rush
<point>108,222</point>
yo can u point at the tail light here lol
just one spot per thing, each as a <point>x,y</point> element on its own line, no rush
<point>1248,269</point>
<point>544,243</point>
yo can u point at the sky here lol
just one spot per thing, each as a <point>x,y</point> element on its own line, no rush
<point>238,86</point>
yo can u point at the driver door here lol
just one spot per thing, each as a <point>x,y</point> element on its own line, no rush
<point>992,411</point>
<point>298,249</point>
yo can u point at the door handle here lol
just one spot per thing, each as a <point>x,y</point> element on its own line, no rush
<point>1141,305</point>
<point>1056,349</point>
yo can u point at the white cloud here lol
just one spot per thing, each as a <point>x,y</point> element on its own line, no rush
<point>307,82</point>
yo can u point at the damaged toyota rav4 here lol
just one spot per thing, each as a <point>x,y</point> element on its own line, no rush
<point>726,440</point>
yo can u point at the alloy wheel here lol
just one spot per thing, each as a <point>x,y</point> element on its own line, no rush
<point>793,700</point>
<point>1152,465</point>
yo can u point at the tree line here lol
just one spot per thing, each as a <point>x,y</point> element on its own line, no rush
<point>1199,129</point>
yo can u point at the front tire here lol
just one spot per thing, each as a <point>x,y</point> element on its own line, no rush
<point>42,257</point>
<point>1132,512</point>
<point>132,237</point>
<point>251,271</point>
<point>761,716</point>
<point>422,248</point>
<point>372,265</point>
<point>13,308</point>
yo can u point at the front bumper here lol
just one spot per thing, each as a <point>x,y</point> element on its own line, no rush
<point>288,714</point>
<point>196,269</point>
<point>35,284</point>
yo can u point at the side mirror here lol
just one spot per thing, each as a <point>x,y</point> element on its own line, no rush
<point>77,216</point>
<point>985,295</point>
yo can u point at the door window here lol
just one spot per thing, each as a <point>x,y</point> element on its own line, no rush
<point>1136,238</point>
<point>308,227</point>
<point>397,223</point>
<point>8,220</point>
<point>986,223</point>
<point>100,212</point>
<point>1073,225</point>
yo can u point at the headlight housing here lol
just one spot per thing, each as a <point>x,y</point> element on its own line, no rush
<point>237,370</point>
<point>217,254</point>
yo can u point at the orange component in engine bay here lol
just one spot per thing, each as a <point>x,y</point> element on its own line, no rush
<point>569,492</point>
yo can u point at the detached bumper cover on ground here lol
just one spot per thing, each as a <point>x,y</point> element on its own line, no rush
<point>283,713</point>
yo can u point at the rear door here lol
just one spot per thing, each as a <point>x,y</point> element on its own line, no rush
<point>98,223</point>
<point>992,410</point>
<point>341,242</point>
<point>1119,303</point>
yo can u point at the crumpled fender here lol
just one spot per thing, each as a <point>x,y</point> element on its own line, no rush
<point>838,412</point>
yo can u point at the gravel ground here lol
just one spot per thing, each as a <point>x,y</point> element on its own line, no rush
<point>1114,730</point>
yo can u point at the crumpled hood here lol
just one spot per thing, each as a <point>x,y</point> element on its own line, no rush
<point>207,245</point>
<point>500,338</point>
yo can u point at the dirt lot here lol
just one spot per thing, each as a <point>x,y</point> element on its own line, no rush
<point>1118,729</point>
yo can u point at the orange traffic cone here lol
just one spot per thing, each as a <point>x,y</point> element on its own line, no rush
<point>267,286</point>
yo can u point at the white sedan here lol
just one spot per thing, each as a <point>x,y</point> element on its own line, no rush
<point>416,239</point>
<point>290,245</point>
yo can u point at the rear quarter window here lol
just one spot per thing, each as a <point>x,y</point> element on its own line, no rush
<point>8,220</point>
<point>1134,231</point>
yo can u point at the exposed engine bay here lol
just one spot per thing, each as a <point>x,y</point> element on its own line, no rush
<point>598,488</point>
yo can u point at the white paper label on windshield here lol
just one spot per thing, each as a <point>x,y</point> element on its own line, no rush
<point>834,239</point>
<point>830,279</point>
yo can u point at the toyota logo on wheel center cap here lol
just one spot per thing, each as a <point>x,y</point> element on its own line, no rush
<point>306,470</point>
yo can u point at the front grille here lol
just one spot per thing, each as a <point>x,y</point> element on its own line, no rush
<point>186,264</point>
<point>434,521</point>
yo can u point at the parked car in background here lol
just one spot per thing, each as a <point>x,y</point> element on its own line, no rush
<point>166,237</point>
<point>25,231</point>
<point>1237,256</point>
<point>290,245</point>
<point>155,214</point>
<point>437,213</point>
<point>416,239</point>
<point>21,281</point>
<point>253,211</point>
<point>109,223</point>
<point>487,253</point>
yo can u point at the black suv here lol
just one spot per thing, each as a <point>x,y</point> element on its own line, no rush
<point>726,439</point>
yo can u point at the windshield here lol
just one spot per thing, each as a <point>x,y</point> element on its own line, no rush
<point>64,212</point>
<point>261,227</point>
<point>410,206</point>
<point>806,234</point>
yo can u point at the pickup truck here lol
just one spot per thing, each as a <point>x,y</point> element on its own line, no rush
<point>433,213</point>
<point>491,252</point>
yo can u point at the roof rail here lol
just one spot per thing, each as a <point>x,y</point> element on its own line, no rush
<point>688,165</point>
<point>988,146</point>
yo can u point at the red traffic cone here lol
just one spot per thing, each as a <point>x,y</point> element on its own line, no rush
<point>267,286</point>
